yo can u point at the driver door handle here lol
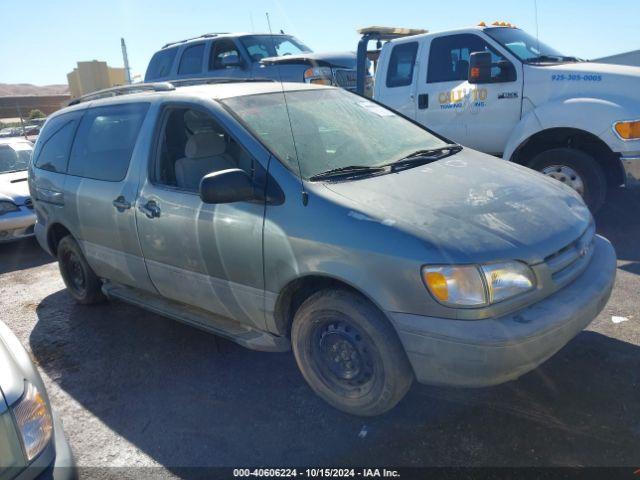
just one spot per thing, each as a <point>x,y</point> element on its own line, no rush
<point>150,209</point>
<point>121,204</point>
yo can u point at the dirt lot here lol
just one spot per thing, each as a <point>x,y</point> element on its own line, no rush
<point>136,389</point>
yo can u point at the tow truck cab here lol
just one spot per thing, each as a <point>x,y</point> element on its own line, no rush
<point>499,90</point>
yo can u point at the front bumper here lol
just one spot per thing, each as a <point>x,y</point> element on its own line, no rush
<point>17,225</point>
<point>477,353</point>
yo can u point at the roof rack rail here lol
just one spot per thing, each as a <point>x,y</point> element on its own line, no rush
<point>124,90</point>
<point>187,82</point>
<point>206,35</point>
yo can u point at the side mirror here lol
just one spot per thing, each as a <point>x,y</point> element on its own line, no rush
<point>232,61</point>
<point>480,67</point>
<point>227,186</point>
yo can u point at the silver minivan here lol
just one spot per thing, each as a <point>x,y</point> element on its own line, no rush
<point>306,217</point>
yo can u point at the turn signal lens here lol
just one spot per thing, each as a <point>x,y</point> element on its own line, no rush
<point>437,284</point>
<point>455,285</point>
<point>34,421</point>
<point>628,130</point>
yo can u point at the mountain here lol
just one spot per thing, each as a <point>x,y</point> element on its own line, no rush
<point>24,89</point>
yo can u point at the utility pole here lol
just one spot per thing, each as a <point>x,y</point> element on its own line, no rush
<point>125,57</point>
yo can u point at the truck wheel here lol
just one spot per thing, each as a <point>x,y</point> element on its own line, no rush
<point>576,169</point>
<point>349,354</point>
<point>82,283</point>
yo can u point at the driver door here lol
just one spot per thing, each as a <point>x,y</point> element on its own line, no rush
<point>224,51</point>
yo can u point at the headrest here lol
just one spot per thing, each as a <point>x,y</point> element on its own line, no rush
<point>205,144</point>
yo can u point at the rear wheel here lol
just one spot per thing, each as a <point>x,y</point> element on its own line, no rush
<point>82,283</point>
<point>349,353</point>
<point>575,169</point>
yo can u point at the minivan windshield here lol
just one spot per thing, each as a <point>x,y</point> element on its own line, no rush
<point>526,47</point>
<point>15,157</point>
<point>263,46</point>
<point>333,129</point>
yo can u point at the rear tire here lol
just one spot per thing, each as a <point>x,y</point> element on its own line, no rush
<point>349,353</point>
<point>81,281</point>
<point>576,169</point>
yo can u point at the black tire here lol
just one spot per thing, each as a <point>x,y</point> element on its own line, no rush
<point>82,283</point>
<point>590,175</point>
<point>349,353</point>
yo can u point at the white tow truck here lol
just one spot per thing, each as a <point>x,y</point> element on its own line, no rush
<point>499,90</point>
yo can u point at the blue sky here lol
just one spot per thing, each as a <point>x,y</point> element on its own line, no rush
<point>44,38</point>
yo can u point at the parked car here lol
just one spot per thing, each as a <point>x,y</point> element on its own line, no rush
<point>11,132</point>
<point>16,210</point>
<point>32,443</point>
<point>243,55</point>
<point>377,250</point>
<point>500,90</point>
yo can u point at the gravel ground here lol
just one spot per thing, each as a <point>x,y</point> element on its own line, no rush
<point>136,389</point>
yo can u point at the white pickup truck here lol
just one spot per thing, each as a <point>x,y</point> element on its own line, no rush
<point>499,90</point>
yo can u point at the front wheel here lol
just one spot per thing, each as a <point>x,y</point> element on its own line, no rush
<point>349,353</point>
<point>575,169</point>
<point>82,283</point>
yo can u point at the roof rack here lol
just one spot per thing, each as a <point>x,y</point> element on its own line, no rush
<point>206,35</point>
<point>161,87</point>
<point>124,90</point>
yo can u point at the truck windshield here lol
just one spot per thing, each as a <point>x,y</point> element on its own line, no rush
<point>526,47</point>
<point>333,129</point>
<point>263,46</point>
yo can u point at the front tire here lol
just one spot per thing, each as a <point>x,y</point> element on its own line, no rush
<point>349,353</point>
<point>82,283</point>
<point>575,169</point>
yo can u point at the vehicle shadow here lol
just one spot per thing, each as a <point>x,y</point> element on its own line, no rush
<point>21,255</point>
<point>187,398</point>
<point>619,221</point>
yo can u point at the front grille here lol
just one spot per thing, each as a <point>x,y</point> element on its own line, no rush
<point>345,78</point>
<point>568,262</point>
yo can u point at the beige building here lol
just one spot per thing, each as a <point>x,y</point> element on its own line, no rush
<point>91,76</point>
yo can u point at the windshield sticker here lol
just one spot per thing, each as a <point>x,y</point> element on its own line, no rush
<point>575,77</point>
<point>377,109</point>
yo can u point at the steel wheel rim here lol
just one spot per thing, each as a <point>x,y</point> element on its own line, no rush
<point>566,175</point>
<point>343,357</point>
<point>75,272</point>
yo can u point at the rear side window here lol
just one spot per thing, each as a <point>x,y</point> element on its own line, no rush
<point>401,63</point>
<point>54,144</point>
<point>191,61</point>
<point>160,64</point>
<point>105,141</point>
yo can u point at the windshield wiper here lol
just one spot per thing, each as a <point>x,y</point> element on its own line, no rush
<point>349,170</point>
<point>422,157</point>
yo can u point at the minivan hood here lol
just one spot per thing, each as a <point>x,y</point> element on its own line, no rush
<point>14,187</point>
<point>339,59</point>
<point>472,207</point>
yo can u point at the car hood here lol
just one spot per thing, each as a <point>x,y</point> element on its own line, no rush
<point>472,207</point>
<point>12,374</point>
<point>14,187</point>
<point>339,59</point>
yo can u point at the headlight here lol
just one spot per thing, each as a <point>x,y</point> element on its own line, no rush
<point>33,420</point>
<point>477,286</point>
<point>319,75</point>
<point>628,130</point>
<point>7,207</point>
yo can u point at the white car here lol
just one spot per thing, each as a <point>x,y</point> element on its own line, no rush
<point>17,218</point>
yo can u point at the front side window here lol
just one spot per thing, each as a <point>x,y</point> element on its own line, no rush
<point>401,64</point>
<point>15,157</point>
<point>54,144</point>
<point>223,49</point>
<point>332,129</point>
<point>449,59</point>
<point>263,46</point>
<point>191,61</point>
<point>105,140</point>
<point>192,144</point>
<point>160,65</point>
